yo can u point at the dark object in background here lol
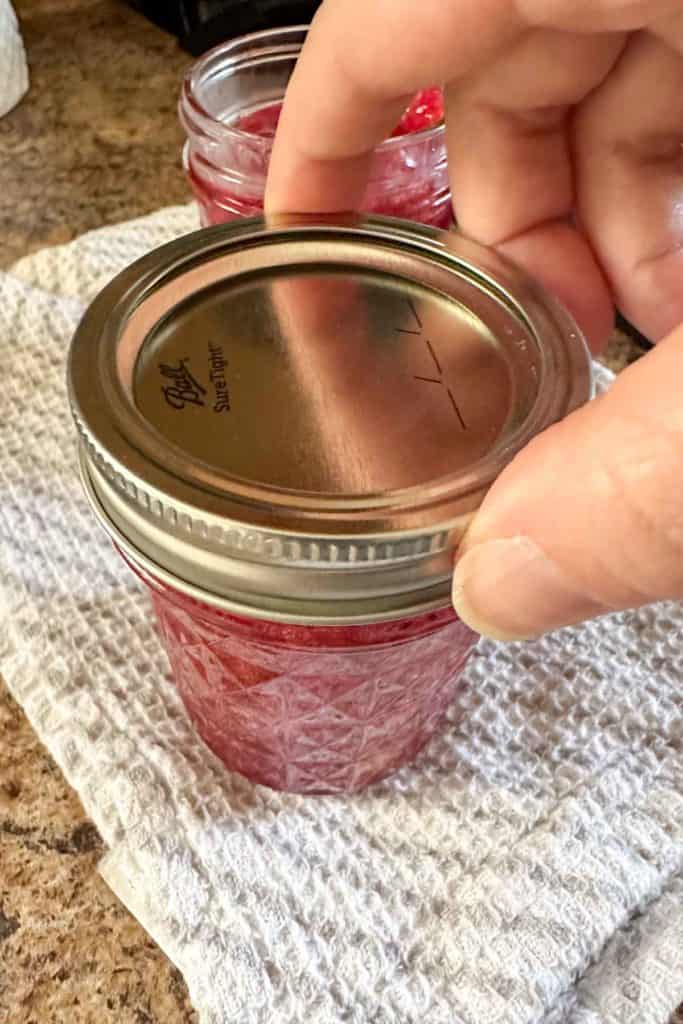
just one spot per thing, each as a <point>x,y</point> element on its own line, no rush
<point>201,24</point>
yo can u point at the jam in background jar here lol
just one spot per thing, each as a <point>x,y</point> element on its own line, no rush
<point>229,107</point>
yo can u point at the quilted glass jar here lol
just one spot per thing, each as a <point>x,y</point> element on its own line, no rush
<point>311,709</point>
<point>229,106</point>
<point>286,428</point>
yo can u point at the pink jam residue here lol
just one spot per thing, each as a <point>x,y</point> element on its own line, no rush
<point>409,181</point>
<point>312,709</point>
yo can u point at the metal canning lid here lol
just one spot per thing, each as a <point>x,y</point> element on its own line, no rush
<point>296,419</point>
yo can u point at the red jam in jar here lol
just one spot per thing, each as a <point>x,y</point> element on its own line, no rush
<point>426,111</point>
<point>286,428</point>
<point>230,105</point>
<point>312,709</point>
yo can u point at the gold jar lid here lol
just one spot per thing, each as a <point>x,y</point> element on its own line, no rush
<point>297,418</point>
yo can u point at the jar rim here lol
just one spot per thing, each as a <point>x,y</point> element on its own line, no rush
<point>196,117</point>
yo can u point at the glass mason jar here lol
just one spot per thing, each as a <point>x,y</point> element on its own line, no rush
<point>311,709</point>
<point>228,107</point>
<point>286,428</point>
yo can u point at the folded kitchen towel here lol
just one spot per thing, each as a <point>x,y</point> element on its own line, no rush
<point>527,869</point>
<point>13,68</point>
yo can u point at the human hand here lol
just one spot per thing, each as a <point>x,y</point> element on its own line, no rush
<point>565,139</point>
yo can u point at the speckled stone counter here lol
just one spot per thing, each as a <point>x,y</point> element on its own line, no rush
<point>70,953</point>
<point>96,141</point>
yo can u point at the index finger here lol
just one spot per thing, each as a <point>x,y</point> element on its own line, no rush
<point>359,67</point>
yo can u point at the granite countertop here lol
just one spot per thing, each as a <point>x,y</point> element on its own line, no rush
<point>95,141</point>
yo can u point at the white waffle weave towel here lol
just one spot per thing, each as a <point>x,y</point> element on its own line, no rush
<point>13,68</point>
<point>527,869</point>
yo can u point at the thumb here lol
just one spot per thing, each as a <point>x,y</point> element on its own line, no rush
<point>589,517</point>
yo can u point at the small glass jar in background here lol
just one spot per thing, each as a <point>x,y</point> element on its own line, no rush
<point>286,429</point>
<point>228,107</point>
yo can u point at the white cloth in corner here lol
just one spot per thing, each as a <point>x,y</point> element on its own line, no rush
<point>13,67</point>
<point>527,870</point>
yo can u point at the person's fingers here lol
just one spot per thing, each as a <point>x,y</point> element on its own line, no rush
<point>560,257</point>
<point>596,15</point>
<point>589,517</point>
<point>511,166</point>
<point>351,85</point>
<point>629,158</point>
<point>362,61</point>
<point>508,142</point>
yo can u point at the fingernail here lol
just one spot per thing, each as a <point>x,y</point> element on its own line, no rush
<point>510,590</point>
